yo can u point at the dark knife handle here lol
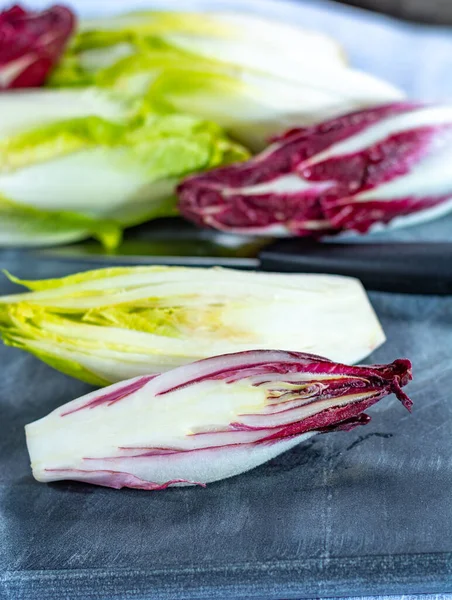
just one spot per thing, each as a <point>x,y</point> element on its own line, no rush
<point>413,268</point>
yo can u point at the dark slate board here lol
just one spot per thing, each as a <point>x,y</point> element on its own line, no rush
<point>364,512</point>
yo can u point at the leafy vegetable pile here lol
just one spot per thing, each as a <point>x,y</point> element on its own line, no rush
<point>140,101</point>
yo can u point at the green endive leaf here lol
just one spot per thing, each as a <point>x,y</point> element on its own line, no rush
<point>114,163</point>
<point>27,226</point>
<point>57,139</point>
<point>79,278</point>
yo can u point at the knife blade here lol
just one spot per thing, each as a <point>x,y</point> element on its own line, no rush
<point>400,267</point>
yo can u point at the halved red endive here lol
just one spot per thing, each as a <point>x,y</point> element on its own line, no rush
<point>206,421</point>
<point>387,165</point>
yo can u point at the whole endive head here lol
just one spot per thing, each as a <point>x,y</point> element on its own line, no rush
<point>380,166</point>
<point>206,421</point>
<point>111,324</point>
<point>253,76</point>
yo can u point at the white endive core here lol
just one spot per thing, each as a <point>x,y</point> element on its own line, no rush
<point>109,437</point>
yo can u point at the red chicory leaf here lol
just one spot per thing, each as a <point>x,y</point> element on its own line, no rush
<point>31,44</point>
<point>379,166</point>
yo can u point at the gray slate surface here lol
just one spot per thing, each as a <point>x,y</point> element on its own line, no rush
<point>365,512</point>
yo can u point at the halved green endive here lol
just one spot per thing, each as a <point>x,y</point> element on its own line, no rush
<point>81,162</point>
<point>112,324</point>
<point>253,77</point>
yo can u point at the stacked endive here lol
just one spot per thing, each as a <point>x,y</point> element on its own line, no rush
<point>140,101</point>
